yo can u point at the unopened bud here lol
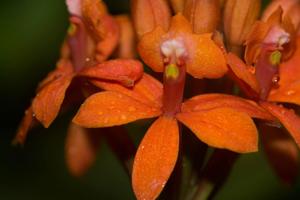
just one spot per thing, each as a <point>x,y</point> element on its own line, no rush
<point>126,46</point>
<point>177,5</point>
<point>239,16</point>
<point>204,15</point>
<point>148,14</point>
<point>291,8</point>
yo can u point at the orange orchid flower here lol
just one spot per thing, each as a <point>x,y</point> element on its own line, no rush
<point>75,57</point>
<point>275,51</point>
<point>200,51</point>
<point>221,121</point>
<point>87,46</point>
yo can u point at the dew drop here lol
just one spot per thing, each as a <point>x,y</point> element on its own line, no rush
<point>142,147</point>
<point>251,70</point>
<point>275,79</point>
<point>123,117</point>
<point>290,92</point>
<point>33,114</point>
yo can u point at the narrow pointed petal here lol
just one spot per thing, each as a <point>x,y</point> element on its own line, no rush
<point>24,127</point>
<point>208,102</point>
<point>287,117</point>
<point>155,158</point>
<point>106,109</point>
<point>49,99</point>
<point>241,71</point>
<point>223,128</point>
<point>125,71</point>
<point>147,90</point>
<point>64,67</point>
<point>81,149</point>
<point>282,153</point>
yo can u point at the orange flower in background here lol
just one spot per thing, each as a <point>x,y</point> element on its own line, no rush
<point>272,80</point>
<point>221,121</point>
<point>274,49</point>
<point>88,43</point>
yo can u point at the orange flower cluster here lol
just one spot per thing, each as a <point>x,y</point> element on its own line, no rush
<point>179,43</point>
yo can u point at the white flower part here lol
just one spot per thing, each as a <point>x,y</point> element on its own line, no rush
<point>74,7</point>
<point>277,35</point>
<point>173,47</point>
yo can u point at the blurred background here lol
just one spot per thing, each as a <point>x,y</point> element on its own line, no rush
<point>30,38</point>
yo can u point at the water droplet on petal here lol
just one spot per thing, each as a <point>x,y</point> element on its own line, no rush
<point>251,70</point>
<point>275,79</point>
<point>290,92</point>
<point>123,117</point>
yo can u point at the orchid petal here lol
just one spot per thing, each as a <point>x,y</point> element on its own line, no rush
<point>103,28</point>
<point>149,49</point>
<point>241,72</point>
<point>288,118</point>
<point>206,59</point>
<point>208,102</point>
<point>81,148</point>
<point>125,71</point>
<point>223,128</point>
<point>147,90</point>
<point>106,109</point>
<point>24,127</point>
<point>155,158</point>
<point>49,99</point>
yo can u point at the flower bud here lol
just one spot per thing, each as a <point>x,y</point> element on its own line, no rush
<point>127,42</point>
<point>148,14</point>
<point>204,15</point>
<point>177,5</point>
<point>239,16</point>
<point>291,8</point>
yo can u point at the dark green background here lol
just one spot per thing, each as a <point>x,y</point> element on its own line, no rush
<point>30,38</point>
